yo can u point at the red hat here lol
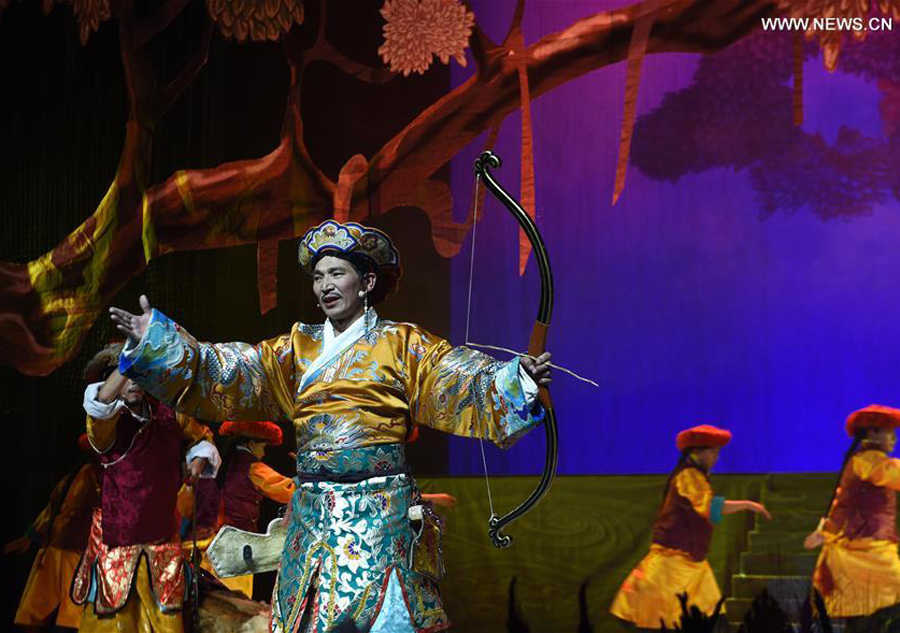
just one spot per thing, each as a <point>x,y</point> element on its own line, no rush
<point>873,416</point>
<point>85,444</point>
<point>268,431</point>
<point>703,436</point>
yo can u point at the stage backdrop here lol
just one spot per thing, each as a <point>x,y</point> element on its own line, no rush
<point>746,277</point>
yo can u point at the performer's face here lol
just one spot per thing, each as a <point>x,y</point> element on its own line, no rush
<point>257,448</point>
<point>336,285</point>
<point>886,438</point>
<point>707,457</point>
<point>131,393</point>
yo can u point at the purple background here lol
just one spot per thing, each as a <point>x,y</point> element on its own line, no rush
<point>719,289</point>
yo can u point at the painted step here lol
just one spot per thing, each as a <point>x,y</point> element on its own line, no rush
<point>782,588</point>
<point>802,520</point>
<point>791,482</point>
<point>778,563</point>
<point>776,541</point>
<point>792,498</point>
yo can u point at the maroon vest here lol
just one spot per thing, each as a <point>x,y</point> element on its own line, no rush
<point>863,510</point>
<point>209,499</point>
<point>678,526</point>
<point>142,474</point>
<point>241,497</point>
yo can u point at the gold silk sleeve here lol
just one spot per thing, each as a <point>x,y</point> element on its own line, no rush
<point>102,433</point>
<point>877,468</point>
<point>464,392</point>
<point>217,382</point>
<point>271,483</point>
<point>693,486</point>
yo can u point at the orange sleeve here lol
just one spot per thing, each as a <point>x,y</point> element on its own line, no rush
<point>272,484</point>
<point>102,433</point>
<point>877,468</point>
<point>693,486</point>
<point>184,503</point>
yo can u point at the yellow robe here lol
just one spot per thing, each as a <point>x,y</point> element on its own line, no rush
<point>47,588</point>
<point>368,395</point>
<point>352,401</point>
<point>864,573</point>
<point>649,596</point>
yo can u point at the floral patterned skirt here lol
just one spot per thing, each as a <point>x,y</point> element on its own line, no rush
<point>106,575</point>
<point>345,543</point>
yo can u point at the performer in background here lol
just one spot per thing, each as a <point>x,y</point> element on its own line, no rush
<point>352,386</point>
<point>132,572</point>
<point>681,536</point>
<point>858,570</point>
<point>245,479</point>
<point>61,530</point>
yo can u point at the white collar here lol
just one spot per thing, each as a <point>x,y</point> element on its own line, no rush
<point>329,335</point>
<point>334,344</point>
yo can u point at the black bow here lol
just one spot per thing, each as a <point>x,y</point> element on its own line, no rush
<point>536,345</point>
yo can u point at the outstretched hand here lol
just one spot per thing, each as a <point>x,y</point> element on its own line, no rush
<point>732,505</point>
<point>538,368</point>
<point>758,508</point>
<point>197,466</point>
<point>132,326</point>
<point>813,540</point>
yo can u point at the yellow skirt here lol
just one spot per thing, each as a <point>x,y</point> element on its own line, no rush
<point>244,584</point>
<point>48,588</point>
<point>857,577</point>
<point>141,614</point>
<point>649,596</point>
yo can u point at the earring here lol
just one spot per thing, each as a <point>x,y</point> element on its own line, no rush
<point>365,309</point>
<point>361,294</point>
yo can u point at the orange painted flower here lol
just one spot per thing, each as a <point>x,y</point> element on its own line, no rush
<point>90,13</point>
<point>256,20</point>
<point>841,12</point>
<point>419,30</point>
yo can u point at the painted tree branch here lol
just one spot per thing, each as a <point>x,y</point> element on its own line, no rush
<point>447,126</point>
<point>327,53</point>
<point>479,43</point>
<point>50,304</point>
<point>322,50</point>
<point>190,70</point>
<point>515,26</point>
<point>157,23</point>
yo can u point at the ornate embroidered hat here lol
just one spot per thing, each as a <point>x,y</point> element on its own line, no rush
<point>703,436</point>
<point>873,416</point>
<point>355,243</point>
<point>267,431</point>
<point>103,362</point>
